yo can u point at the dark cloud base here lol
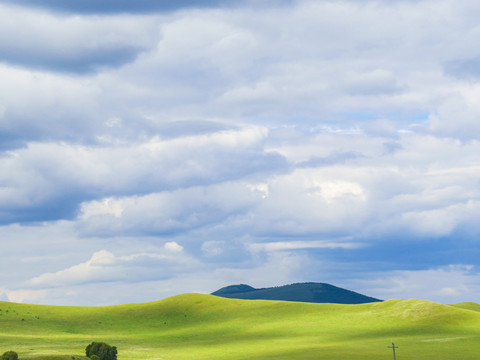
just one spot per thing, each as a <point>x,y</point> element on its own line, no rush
<point>117,6</point>
<point>86,63</point>
<point>412,253</point>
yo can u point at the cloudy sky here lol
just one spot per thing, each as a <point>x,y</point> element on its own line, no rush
<point>150,148</point>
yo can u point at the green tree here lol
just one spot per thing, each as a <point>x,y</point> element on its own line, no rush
<point>101,350</point>
<point>9,355</point>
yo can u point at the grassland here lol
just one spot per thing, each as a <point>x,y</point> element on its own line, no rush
<point>194,326</point>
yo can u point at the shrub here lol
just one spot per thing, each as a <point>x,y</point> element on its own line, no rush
<point>101,351</point>
<point>9,355</point>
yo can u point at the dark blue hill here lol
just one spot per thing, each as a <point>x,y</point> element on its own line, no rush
<point>303,292</point>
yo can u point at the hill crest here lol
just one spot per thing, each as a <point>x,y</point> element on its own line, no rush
<point>299,292</point>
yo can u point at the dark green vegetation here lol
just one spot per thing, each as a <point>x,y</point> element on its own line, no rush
<point>304,292</point>
<point>9,355</point>
<point>201,327</point>
<point>101,351</point>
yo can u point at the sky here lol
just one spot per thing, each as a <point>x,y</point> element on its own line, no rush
<point>150,148</point>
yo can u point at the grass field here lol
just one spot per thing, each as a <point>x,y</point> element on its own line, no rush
<point>194,326</point>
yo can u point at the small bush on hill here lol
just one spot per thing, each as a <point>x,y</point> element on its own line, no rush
<point>101,351</point>
<point>9,355</point>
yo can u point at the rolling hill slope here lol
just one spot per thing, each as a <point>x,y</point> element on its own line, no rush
<point>467,306</point>
<point>194,326</point>
<point>302,292</point>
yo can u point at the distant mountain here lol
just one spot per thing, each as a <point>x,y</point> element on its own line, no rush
<point>303,292</point>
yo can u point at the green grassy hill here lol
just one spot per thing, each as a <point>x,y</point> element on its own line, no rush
<point>194,326</point>
<point>468,306</point>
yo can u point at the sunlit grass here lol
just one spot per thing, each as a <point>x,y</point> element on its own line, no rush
<point>193,326</point>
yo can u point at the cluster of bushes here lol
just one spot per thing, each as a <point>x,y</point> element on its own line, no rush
<point>9,355</point>
<point>101,351</point>
<point>95,351</point>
